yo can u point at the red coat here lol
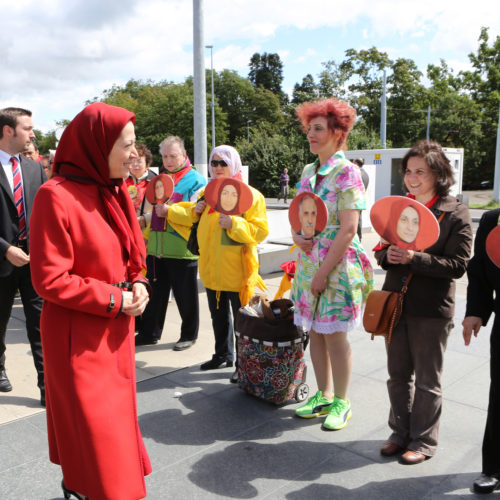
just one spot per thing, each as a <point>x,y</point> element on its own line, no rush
<point>88,347</point>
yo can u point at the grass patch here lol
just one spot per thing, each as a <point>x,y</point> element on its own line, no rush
<point>485,206</point>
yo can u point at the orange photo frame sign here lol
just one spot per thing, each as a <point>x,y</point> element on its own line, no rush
<point>314,214</point>
<point>162,194</point>
<point>404,222</point>
<point>493,246</point>
<point>228,196</point>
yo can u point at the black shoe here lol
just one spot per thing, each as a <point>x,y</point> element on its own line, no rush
<point>229,364</point>
<point>486,484</point>
<point>67,493</point>
<point>213,364</point>
<point>182,345</point>
<point>234,377</point>
<point>142,340</point>
<point>42,397</point>
<point>5,385</point>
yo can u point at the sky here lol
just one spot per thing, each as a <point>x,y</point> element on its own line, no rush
<point>57,54</point>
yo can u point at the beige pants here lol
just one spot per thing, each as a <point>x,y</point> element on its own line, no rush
<point>415,364</point>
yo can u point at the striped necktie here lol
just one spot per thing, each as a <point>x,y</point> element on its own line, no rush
<point>18,197</point>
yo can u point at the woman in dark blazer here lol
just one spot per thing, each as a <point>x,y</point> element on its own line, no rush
<point>483,298</point>
<point>415,355</point>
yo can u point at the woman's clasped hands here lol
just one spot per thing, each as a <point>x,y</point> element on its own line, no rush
<point>396,255</point>
<point>135,302</point>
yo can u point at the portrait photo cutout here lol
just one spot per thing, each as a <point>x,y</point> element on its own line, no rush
<point>493,245</point>
<point>229,196</point>
<point>308,214</point>
<point>404,222</point>
<point>159,189</point>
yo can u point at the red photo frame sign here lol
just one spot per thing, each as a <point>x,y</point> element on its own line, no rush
<point>308,214</point>
<point>162,194</point>
<point>228,196</point>
<point>404,222</point>
<point>493,245</point>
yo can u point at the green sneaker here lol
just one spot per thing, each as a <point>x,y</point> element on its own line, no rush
<point>340,413</point>
<point>315,406</point>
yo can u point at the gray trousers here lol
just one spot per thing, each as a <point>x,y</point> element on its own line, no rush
<point>415,364</point>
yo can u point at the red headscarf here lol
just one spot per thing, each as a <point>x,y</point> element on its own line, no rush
<point>82,155</point>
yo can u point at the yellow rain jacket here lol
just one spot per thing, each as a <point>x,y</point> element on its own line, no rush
<point>228,258</point>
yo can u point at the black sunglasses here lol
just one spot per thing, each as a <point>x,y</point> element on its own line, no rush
<point>216,163</point>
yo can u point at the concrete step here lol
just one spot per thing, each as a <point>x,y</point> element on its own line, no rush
<point>272,255</point>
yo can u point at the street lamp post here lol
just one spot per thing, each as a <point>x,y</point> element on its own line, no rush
<point>199,91</point>
<point>383,114</point>
<point>213,105</point>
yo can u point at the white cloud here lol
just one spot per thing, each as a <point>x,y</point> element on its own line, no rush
<point>64,52</point>
<point>284,55</point>
<point>304,57</point>
<point>233,57</point>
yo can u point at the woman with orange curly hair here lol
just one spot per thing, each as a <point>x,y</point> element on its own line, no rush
<point>333,275</point>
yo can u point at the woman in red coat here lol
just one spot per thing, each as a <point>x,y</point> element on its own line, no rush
<point>87,254</point>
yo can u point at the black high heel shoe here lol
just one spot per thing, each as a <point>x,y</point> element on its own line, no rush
<point>68,493</point>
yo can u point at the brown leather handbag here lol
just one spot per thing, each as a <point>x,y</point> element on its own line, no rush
<point>383,310</point>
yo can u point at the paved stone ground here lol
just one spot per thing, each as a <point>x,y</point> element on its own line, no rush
<point>215,441</point>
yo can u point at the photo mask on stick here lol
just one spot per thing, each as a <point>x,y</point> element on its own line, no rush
<point>229,196</point>
<point>404,222</point>
<point>493,246</point>
<point>160,189</point>
<point>308,214</point>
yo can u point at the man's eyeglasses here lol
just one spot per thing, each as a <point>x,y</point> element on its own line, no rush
<point>216,163</point>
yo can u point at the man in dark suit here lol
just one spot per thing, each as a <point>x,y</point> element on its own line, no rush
<point>20,179</point>
<point>483,299</point>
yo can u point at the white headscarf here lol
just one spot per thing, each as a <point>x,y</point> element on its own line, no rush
<point>230,156</point>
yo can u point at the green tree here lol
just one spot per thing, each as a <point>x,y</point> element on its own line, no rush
<point>306,91</point>
<point>455,117</point>
<point>45,141</point>
<point>163,109</point>
<point>362,137</point>
<point>266,70</point>
<point>333,81</point>
<point>406,103</point>
<point>483,83</point>
<point>235,96</point>
<point>364,70</point>
<point>266,156</point>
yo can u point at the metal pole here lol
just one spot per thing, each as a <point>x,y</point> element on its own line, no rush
<point>383,115</point>
<point>428,134</point>
<point>213,105</point>
<point>496,182</point>
<point>200,98</point>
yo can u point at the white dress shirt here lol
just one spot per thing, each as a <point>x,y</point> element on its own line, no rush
<point>7,167</point>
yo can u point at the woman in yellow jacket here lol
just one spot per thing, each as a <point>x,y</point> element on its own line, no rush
<point>228,264</point>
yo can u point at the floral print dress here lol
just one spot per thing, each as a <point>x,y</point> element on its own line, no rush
<point>339,308</point>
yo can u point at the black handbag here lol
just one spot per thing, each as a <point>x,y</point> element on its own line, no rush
<point>192,242</point>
